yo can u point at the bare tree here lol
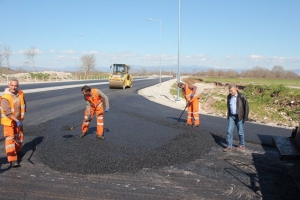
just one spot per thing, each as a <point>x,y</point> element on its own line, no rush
<point>278,71</point>
<point>88,63</point>
<point>31,53</point>
<point>7,53</point>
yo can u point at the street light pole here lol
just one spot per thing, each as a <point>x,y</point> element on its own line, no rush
<point>160,24</point>
<point>76,52</point>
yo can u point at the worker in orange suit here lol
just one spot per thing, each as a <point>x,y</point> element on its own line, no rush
<point>192,100</point>
<point>13,108</point>
<point>95,103</point>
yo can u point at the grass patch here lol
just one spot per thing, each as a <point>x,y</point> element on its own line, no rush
<point>173,91</point>
<point>248,81</point>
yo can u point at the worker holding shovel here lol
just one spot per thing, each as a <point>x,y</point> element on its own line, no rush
<point>192,100</point>
<point>13,108</point>
<point>94,99</point>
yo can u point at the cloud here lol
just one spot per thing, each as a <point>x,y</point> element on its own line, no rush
<point>274,59</point>
<point>67,51</point>
<point>230,56</point>
<point>63,57</point>
<point>52,51</point>
<point>195,58</point>
<point>256,57</point>
<point>24,51</point>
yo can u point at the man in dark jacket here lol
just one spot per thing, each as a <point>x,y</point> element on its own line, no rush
<point>238,111</point>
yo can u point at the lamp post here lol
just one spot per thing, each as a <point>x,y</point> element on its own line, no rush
<point>178,65</point>
<point>75,51</point>
<point>160,22</point>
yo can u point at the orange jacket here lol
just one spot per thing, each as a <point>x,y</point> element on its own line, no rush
<point>95,100</point>
<point>4,119</point>
<point>187,93</point>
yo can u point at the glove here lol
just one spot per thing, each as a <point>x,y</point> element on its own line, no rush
<point>192,96</point>
<point>89,116</point>
<point>106,109</point>
<point>188,103</point>
<point>19,123</point>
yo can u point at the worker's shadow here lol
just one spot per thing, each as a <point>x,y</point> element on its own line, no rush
<point>3,161</point>
<point>221,141</point>
<point>30,147</point>
<point>177,120</point>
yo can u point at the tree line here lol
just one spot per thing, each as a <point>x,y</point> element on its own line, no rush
<point>88,61</point>
<point>277,72</point>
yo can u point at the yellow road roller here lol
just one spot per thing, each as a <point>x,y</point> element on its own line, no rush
<point>120,77</point>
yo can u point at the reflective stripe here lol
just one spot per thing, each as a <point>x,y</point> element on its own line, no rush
<point>19,135</point>
<point>100,117</point>
<point>10,146</point>
<point>9,138</point>
<point>100,123</point>
<point>19,141</point>
<point>23,106</point>
<point>87,123</point>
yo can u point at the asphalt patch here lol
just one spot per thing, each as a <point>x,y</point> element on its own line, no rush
<point>67,152</point>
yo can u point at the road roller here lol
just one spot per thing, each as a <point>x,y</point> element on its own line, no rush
<point>120,77</point>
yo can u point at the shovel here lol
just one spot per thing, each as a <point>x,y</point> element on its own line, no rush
<point>68,128</point>
<point>182,113</point>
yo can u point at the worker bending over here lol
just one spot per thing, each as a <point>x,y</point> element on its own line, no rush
<point>192,100</point>
<point>94,99</point>
<point>13,108</point>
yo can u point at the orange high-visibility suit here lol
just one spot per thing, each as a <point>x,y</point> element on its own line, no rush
<point>193,104</point>
<point>94,106</point>
<point>12,104</point>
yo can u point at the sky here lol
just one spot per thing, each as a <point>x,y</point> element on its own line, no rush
<point>221,34</point>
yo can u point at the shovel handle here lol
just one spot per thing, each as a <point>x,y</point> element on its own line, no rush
<point>71,128</point>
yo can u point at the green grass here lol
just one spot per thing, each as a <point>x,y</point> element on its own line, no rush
<point>247,81</point>
<point>173,91</point>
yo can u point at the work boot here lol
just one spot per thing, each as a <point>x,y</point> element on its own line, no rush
<point>188,124</point>
<point>196,125</point>
<point>82,135</point>
<point>15,164</point>
<point>101,137</point>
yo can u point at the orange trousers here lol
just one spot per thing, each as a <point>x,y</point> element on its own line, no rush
<point>99,117</point>
<point>13,141</point>
<point>193,113</point>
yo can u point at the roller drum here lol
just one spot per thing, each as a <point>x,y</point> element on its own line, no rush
<point>116,84</point>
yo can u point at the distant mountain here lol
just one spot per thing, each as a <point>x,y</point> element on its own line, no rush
<point>297,71</point>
